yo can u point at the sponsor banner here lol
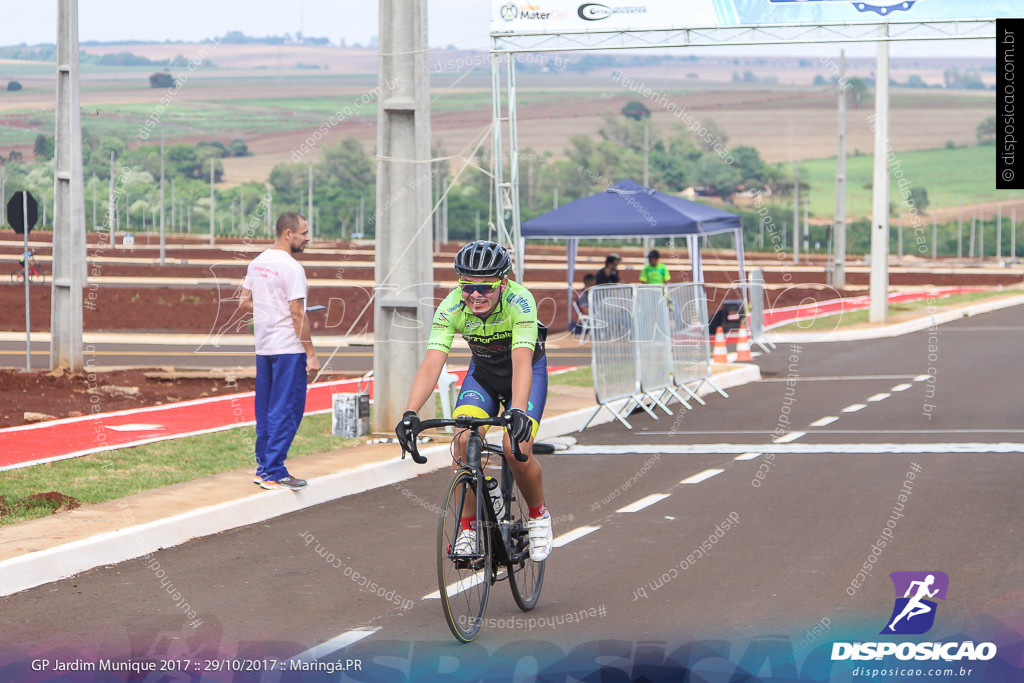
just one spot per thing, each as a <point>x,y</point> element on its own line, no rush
<point>509,16</point>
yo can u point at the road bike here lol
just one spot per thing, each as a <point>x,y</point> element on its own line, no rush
<point>34,275</point>
<point>501,543</point>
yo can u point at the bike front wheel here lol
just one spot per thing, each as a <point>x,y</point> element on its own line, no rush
<point>525,576</point>
<point>463,570</point>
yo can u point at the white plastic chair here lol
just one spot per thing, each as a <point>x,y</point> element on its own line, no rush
<point>586,322</point>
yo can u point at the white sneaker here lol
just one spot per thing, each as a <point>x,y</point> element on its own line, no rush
<point>540,537</point>
<point>465,543</point>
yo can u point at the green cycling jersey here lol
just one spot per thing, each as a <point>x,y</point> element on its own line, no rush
<point>511,325</point>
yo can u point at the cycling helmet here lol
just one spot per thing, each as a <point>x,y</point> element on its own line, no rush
<point>483,259</point>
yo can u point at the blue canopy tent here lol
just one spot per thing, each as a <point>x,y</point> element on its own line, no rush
<point>628,209</point>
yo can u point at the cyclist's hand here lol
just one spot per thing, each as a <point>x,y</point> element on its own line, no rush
<point>405,430</point>
<point>520,426</point>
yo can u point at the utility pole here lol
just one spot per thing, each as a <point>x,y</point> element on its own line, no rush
<point>110,202</point>
<point>960,231</point>
<point>879,281</point>
<point>647,182</point>
<point>213,207</point>
<point>309,210</point>
<point>796,212</point>
<point>162,212</point>
<point>403,270</point>
<point>69,244</point>
<point>999,231</point>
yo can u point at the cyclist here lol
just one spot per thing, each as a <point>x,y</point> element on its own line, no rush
<point>498,318</point>
<point>27,257</point>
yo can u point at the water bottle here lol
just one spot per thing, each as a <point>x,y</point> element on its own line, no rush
<point>497,502</point>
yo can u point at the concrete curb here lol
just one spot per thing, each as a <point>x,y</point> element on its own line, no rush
<point>140,540</point>
<point>897,329</point>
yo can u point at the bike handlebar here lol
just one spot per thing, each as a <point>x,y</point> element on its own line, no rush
<point>462,422</point>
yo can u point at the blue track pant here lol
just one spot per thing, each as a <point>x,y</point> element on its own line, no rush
<point>280,403</point>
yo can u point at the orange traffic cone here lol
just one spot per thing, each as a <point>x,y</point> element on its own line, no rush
<point>743,344</point>
<point>720,354</point>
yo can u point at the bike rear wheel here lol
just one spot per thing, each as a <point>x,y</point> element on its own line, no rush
<point>464,581</point>
<point>17,275</point>
<point>525,576</point>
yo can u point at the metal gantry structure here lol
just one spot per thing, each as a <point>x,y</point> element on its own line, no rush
<point>506,45</point>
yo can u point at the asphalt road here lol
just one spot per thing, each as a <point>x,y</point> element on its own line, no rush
<point>735,537</point>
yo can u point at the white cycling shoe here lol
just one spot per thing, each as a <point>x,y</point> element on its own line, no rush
<point>540,537</point>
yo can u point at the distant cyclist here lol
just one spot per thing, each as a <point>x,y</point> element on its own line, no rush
<point>27,256</point>
<point>508,370</point>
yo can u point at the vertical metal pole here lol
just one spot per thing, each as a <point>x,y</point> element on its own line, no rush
<point>94,228</point>
<point>309,210</point>
<point>960,231</point>
<point>796,212</point>
<point>970,243</point>
<point>981,233</point>
<point>647,180</point>
<point>69,244</point>
<point>476,229</point>
<point>839,267</point>
<point>999,231</point>
<point>899,233</point>
<point>879,281</point>
<point>1013,233</point>
<point>213,208</point>
<point>163,213</point>
<point>110,202</point>
<point>404,294</point>
<point>935,234</point>
<point>28,301</point>
<point>3,194</point>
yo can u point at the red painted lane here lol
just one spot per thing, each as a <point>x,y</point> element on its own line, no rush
<point>781,316</point>
<point>75,436</point>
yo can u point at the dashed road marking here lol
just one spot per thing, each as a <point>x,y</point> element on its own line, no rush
<point>334,644</point>
<point>570,536</point>
<point>701,476</point>
<point>791,436</point>
<point>644,502</point>
<point>854,408</point>
<point>901,387</point>
<point>748,456</point>
<point>824,421</point>
<point>879,397</point>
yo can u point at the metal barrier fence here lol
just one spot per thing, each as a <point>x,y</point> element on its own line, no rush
<point>612,356</point>
<point>652,338</point>
<point>755,310</point>
<point>648,343</point>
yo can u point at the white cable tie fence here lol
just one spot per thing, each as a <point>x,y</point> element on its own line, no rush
<point>613,358</point>
<point>652,339</point>
<point>690,347</point>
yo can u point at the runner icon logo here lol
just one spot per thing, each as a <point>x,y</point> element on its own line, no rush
<point>914,610</point>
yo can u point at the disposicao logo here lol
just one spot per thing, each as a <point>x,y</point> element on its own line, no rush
<point>913,613</point>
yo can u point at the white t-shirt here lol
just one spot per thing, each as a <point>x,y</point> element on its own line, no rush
<point>275,278</point>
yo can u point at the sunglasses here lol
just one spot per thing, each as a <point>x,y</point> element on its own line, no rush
<point>483,288</point>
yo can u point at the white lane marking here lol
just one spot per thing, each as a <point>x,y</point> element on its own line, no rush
<point>879,397</point>
<point>701,476</point>
<point>570,536</point>
<point>841,378</point>
<point>134,427</point>
<point>748,456</point>
<point>792,436</point>
<point>854,408</point>
<point>334,644</point>
<point>921,378</point>
<point>458,586</point>
<point>901,387</point>
<point>816,448</point>
<point>644,502</point>
<point>824,421</point>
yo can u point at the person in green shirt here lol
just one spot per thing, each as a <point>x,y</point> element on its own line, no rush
<point>654,273</point>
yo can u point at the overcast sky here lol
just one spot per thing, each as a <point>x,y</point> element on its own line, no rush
<point>463,23</point>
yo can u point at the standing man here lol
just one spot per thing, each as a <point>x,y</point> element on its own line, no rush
<point>609,275</point>
<point>274,291</point>
<point>654,273</point>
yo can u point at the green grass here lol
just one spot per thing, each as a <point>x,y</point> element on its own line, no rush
<point>831,322</point>
<point>580,377</point>
<point>947,174</point>
<point>114,474</point>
